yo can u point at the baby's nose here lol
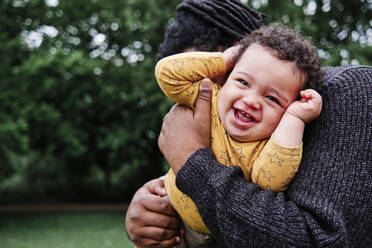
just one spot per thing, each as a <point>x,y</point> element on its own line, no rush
<point>252,101</point>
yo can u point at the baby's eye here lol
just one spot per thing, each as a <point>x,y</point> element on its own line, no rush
<point>243,82</point>
<point>273,99</point>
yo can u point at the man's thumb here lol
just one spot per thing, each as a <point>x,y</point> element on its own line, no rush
<point>203,102</point>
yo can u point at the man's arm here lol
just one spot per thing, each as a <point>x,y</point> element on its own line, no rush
<point>328,204</point>
<point>239,214</point>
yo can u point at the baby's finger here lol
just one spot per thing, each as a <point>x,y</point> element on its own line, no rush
<point>304,94</point>
<point>308,93</point>
<point>316,97</point>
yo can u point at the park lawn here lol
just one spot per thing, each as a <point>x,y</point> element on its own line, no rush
<point>63,230</point>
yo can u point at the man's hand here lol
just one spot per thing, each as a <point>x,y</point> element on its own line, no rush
<point>184,131</point>
<point>151,221</point>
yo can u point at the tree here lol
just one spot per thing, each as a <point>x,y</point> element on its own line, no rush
<point>341,29</point>
<point>83,103</point>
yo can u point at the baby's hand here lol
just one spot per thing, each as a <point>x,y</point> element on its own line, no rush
<point>230,56</point>
<point>308,108</point>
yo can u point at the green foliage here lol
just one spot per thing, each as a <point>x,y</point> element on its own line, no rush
<point>80,104</point>
<point>81,110</point>
<point>341,29</point>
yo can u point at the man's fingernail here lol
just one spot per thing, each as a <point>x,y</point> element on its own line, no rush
<point>204,85</point>
<point>163,191</point>
<point>178,239</point>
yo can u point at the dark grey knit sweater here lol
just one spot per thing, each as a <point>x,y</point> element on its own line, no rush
<point>329,202</point>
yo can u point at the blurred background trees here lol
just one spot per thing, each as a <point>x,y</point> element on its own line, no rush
<point>80,108</point>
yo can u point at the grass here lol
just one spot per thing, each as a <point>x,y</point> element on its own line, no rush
<point>63,230</point>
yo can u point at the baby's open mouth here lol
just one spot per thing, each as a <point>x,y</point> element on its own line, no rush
<point>243,116</point>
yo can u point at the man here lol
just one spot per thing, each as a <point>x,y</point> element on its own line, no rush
<point>328,203</point>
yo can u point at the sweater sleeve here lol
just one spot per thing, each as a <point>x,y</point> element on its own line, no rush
<point>179,75</point>
<point>329,202</point>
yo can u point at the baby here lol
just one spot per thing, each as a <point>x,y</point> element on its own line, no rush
<point>258,114</point>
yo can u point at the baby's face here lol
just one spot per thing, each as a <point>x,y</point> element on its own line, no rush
<point>257,93</point>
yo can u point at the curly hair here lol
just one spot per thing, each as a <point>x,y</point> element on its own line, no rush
<point>288,45</point>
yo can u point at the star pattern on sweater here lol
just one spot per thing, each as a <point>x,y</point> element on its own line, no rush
<point>179,65</point>
<point>224,156</point>
<point>295,153</point>
<point>294,169</point>
<point>240,152</point>
<point>214,121</point>
<point>267,175</point>
<point>186,206</point>
<point>193,61</point>
<point>207,61</point>
<point>287,181</point>
<point>190,92</point>
<point>194,77</point>
<point>184,201</point>
<point>276,160</point>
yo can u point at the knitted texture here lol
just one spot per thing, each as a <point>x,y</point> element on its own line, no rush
<point>329,202</point>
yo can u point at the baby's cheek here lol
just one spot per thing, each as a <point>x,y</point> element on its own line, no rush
<point>276,117</point>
